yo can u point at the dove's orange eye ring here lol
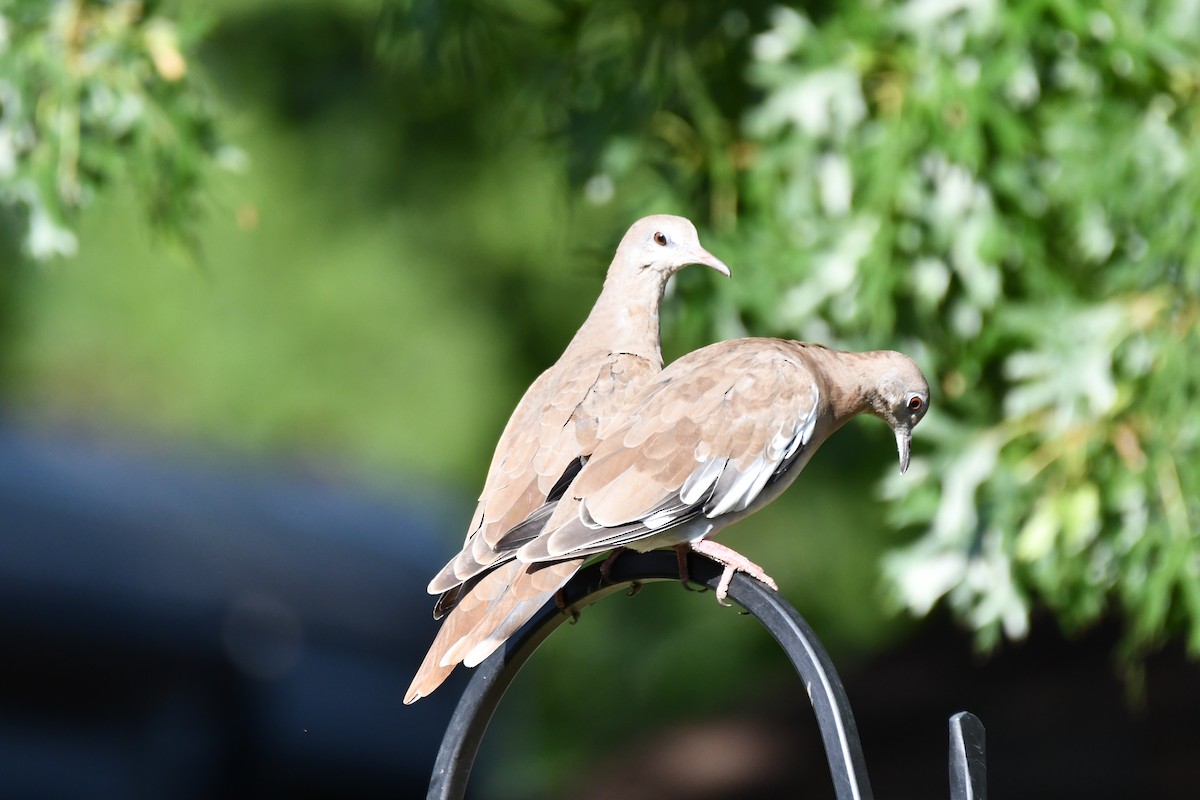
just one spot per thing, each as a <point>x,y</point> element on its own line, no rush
<point>914,403</point>
<point>660,239</point>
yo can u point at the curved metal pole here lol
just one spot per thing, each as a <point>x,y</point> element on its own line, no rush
<point>491,678</point>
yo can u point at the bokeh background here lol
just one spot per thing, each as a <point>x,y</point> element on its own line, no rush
<point>273,274</point>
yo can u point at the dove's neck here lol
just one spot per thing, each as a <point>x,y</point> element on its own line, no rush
<point>625,318</point>
<point>848,378</point>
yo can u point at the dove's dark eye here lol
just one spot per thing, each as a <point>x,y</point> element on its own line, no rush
<point>660,239</point>
<point>914,403</point>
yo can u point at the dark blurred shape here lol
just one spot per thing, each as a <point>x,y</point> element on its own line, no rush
<point>1059,724</point>
<point>174,630</point>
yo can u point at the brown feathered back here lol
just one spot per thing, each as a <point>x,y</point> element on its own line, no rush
<point>560,419</point>
<point>717,435</point>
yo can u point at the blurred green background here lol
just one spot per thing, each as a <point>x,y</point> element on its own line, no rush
<point>349,234</point>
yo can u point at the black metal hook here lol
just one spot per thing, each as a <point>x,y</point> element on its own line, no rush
<point>830,704</point>
<point>968,761</point>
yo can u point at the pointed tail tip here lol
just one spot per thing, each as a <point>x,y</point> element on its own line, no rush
<point>429,677</point>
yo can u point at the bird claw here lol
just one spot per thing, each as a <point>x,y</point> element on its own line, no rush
<point>563,608</point>
<point>723,586</point>
<point>635,589</point>
<point>681,551</point>
<point>606,565</point>
<point>733,562</point>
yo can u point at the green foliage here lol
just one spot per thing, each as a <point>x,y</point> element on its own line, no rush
<point>94,94</point>
<point>647,96</point>
<point>1009,194</point>
<point>1005,191</point>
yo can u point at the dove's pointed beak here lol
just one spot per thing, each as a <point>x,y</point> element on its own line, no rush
<point>702,256</point>
<point>903,443</point>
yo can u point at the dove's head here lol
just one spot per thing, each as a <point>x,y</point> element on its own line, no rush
<point>663,244</point>
<point>900,398</point>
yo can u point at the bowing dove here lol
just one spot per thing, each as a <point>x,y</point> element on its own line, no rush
<point>559,420</point>
<point>714,437</point>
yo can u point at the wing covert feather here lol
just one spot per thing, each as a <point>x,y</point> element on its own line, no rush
<point>568,407</point>
<point>709,445</point>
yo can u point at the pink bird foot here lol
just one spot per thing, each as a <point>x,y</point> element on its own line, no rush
<point>733,561</point>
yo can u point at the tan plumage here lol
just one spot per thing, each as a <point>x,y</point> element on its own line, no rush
<point>714,437</point>
<point>559,419</point>
<point>720,433</point>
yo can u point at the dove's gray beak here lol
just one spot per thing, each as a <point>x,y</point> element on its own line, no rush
<point>701,256</point>
<point>903,442</point>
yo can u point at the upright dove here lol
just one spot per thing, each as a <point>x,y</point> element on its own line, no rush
<point>716,436</point>
<point>558,422</point>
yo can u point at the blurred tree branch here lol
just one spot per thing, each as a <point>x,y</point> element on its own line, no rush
<point>1009,192</point>
<point>1006,191</point>
<point>97,93</point>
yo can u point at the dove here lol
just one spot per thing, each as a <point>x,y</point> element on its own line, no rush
<point>717,435</point>
<point>560,418</point>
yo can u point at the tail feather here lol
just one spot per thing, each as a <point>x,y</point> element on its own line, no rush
<point>529,592</point>
<point>489,612</point>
